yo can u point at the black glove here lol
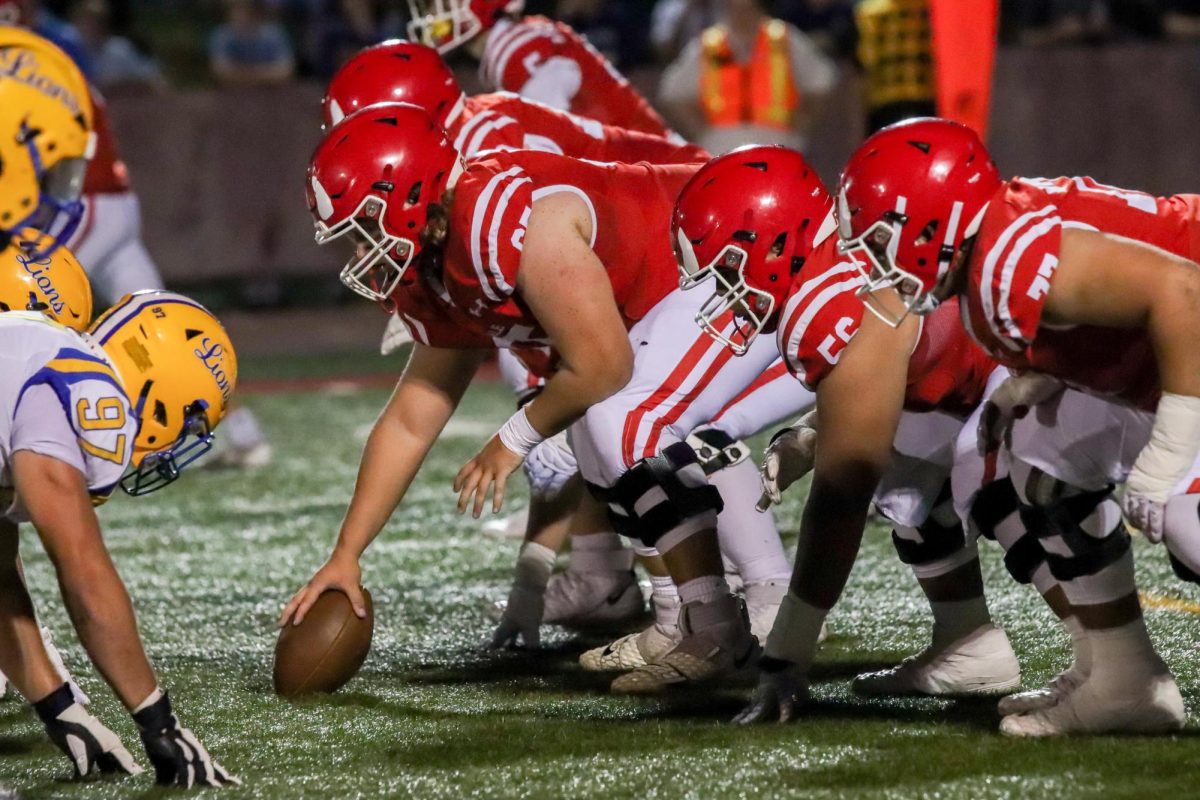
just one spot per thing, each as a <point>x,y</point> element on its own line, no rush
<point>178,757</point>
<point>83,738</point>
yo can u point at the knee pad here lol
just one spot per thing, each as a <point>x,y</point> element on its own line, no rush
<point>937,539</point>
<point>663,499</point>
<point>1080,531</point>
<point>995,514</point>
<point>716,450</point>
<point>1181,535</point>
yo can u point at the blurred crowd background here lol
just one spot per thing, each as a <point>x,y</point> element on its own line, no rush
<point>134,45</point>
<point>215,104</point>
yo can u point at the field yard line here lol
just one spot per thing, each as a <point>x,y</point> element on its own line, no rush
<point>1169,603</point>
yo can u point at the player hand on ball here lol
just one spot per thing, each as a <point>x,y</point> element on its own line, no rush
<point>339,572</point>
<point>492,465</point>
<point>777,696</point>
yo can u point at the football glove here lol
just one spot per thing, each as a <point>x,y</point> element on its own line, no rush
<point>91,747</point>
<point>178,757</point>
<point>522,616</point>
<point>779,693</point>
<point>549,466</point>
<point>788,458</point>
<point>1011,401</point>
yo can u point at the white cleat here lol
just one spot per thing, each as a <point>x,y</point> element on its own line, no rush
<point>632,650</point>
<point>511,527</point>
<point>1063,684</point>
<point>980,663</point>
<point>1156,707</point>
<point>593,599</point>
<point>56,660</point>
<point>715,644</point>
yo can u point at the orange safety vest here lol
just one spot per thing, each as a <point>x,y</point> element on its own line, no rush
<point>761,92</point>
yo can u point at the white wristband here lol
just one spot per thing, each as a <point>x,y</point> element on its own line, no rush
<point>519,435</point>
<point>1171,451</point>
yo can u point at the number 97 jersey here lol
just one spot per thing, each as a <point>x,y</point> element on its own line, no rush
<point>60,397</point>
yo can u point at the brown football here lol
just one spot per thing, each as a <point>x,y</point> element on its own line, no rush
<point>326,650</point>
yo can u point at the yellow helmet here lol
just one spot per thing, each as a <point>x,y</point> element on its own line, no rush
<point>179,369</point>
<point>46,136</point>
<point>54,284</point>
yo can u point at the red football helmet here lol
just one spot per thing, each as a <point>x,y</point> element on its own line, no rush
<point>373,177</point>
<point>394,72</point>
<point>908,198</point>
<point>749,219</point>
<point>447,24</point>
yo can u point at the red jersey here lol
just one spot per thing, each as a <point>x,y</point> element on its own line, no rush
<point>433,320</point>
<point>506,121</point>
<point>1013,263</point>
<point>106,172</point>
<point>631,207</point>
<point>946,371</point>
<point>546,60</point>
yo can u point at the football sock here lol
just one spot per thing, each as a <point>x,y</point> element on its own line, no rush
<point>749,539</point>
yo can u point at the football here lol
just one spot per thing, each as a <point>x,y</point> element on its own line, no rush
<point>324,651</point>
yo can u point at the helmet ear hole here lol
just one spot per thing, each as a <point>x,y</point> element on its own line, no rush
<point>928,232</point>
<point>160,412</point>
<point>414,194</point>
<point>778,245</point>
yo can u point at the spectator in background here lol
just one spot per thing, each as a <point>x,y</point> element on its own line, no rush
<point>250,48</point>
<point>896,57</point>
<point>340,28</point>
<point>618,30</point>
<point>117,63</point>
<point>747,79</point>
<point>31,14</point>
<point>677,22</point>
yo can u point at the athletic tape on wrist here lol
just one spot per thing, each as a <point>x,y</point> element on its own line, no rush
<point>519,435</point>
<point>794,635</point>
<point>1171,451</point>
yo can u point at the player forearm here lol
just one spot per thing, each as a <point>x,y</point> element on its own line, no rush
<point>570,393</point>
<point>103,616</point>
<point>1174,325</point>
<point>390,462</point>
<point>831,533</point>
<point>425,398</point>
<point>23,657</point>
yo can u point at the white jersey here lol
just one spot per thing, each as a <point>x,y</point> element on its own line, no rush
<point>60,397</point>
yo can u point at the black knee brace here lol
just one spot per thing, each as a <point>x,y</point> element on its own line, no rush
<point>658,494</point>
<point>995,503</point>
<point>938,539</point>
<point>1062,517</point>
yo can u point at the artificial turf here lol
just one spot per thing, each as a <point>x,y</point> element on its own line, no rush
<point>210,561</point>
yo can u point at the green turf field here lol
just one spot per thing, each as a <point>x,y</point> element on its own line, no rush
<point>210,561</point>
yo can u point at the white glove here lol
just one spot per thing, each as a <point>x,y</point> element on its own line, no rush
<point>522,616</point>
<point>550,465</point>
<point>1011,401</point>
<point>1163,462</point>
<point>177,755</point>
<point>779,693</point>
<point>788,458</point>
<point>85,740</point>
<point>1145,513</point>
